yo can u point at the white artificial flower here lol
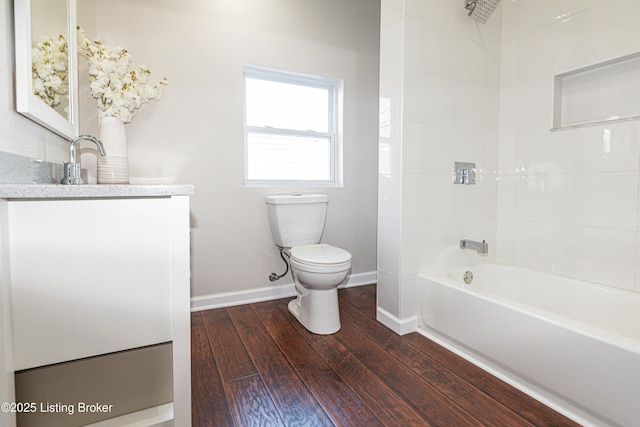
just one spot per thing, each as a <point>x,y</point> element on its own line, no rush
<point>118,90</point>
<point>49,63</point>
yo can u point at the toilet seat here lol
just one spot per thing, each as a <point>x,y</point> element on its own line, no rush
<point>320,258</point>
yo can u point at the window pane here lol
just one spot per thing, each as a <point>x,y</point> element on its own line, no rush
<point>286,106</point>
<point>286,157</point>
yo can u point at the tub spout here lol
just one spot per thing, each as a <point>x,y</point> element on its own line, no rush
<point>480,247</point>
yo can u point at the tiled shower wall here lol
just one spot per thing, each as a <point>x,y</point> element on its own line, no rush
<point>561,201</point>
<point>439,91</point>
<point>567,199</point>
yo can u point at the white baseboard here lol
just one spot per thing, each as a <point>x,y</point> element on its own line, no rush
<point>228,299</point>
<point>396,324</point>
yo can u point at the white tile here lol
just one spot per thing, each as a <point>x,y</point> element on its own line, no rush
<point>390,199</point>
<point>415,140</point>
<point>392,49</point>
<point>474,146</point>
<point>607,148</point>
<point>384,151</point>
<point>537,53</point>
<point>535,103</point>
<point>505,241</point>
<point>439,198</point>
<point>411,250</point>
<point>487,36</point>
<point>508,135</point>
<point>510,23</point>
<point>509,65</point>
<point>506,205</point>
<point>477,107</point>
<point>438,11</point>
<point>414,199</point>
<point>490,161</point>
<point>432,236</point>
<point>541,13</point>
<point>431,48</point>
<point>391,91</point>
<point>390,150</point>
<point>429,99</point>
<point>603,200</point>
<point>390,140</point>
<point>441,50</point>
<point>408,295</point>
<point>538,153</point>
<point>437,147</point>
<point>390,12</point>
<point>389,247</point>
<point>611,148</point>
<point>388,294</point>
<point>584,39</point>
<point>599,21</point>
<point>597,255</point>
<point>475,202</point>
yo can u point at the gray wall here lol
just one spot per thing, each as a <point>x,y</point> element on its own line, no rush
<point>194,134</point>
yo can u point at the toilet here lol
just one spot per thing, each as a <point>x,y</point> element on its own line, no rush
<point>297,222</point>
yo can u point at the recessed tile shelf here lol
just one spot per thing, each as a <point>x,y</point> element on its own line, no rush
<point>600,93</point>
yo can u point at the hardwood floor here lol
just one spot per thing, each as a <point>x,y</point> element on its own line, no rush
<point>256,365</point>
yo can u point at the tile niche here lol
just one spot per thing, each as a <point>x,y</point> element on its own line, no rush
<point>600,93</point>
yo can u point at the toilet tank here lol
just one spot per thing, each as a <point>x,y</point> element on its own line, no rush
<point>297,219</point>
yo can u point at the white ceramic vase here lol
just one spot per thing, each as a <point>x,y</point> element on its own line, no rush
<point>114,167</point>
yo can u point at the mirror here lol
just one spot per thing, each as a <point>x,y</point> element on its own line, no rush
<point>46,64</point>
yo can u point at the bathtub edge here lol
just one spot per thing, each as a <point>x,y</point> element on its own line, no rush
<point>542,395</point>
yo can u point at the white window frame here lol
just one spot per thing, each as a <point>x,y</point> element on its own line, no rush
<point>334,133</point>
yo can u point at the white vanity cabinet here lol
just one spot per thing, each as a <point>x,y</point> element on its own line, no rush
<point>88,277</point>
<point>95,270</point>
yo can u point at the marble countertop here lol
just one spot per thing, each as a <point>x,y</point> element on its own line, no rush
<point>88,191</point>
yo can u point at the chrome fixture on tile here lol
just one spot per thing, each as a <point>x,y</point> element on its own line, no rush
<point>480,247</point>
<point>72,170</point>
<point>464,173</point>
<point>480,10</point>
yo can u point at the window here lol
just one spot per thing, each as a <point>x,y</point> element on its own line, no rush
<point>291,128</point>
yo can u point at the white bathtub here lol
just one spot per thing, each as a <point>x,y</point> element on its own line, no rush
<point>573,345</point>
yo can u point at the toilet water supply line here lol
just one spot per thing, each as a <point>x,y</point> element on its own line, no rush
<point>273,276</point>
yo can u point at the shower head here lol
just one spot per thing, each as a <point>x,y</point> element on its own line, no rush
<point>480,10</point>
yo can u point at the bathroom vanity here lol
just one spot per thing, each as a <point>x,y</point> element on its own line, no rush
<point>95,293</point>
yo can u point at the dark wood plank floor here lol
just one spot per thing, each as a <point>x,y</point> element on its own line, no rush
<point>254,365</point>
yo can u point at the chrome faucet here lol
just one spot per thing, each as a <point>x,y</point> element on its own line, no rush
<point>72,170</point>
<point>480,247</point>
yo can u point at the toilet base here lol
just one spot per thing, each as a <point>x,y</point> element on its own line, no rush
<point>317,310</point>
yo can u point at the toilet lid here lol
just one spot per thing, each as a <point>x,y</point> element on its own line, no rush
<point>319,254</point>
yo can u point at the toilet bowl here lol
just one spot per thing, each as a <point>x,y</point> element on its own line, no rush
<point>317,272</point>
<point>297,223</point>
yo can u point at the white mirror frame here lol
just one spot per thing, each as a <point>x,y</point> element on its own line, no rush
<point>27,103</point>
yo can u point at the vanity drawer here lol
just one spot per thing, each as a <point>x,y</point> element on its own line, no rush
<point>89,277</point>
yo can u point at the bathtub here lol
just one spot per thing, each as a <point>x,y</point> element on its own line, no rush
<point>573,345</point>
